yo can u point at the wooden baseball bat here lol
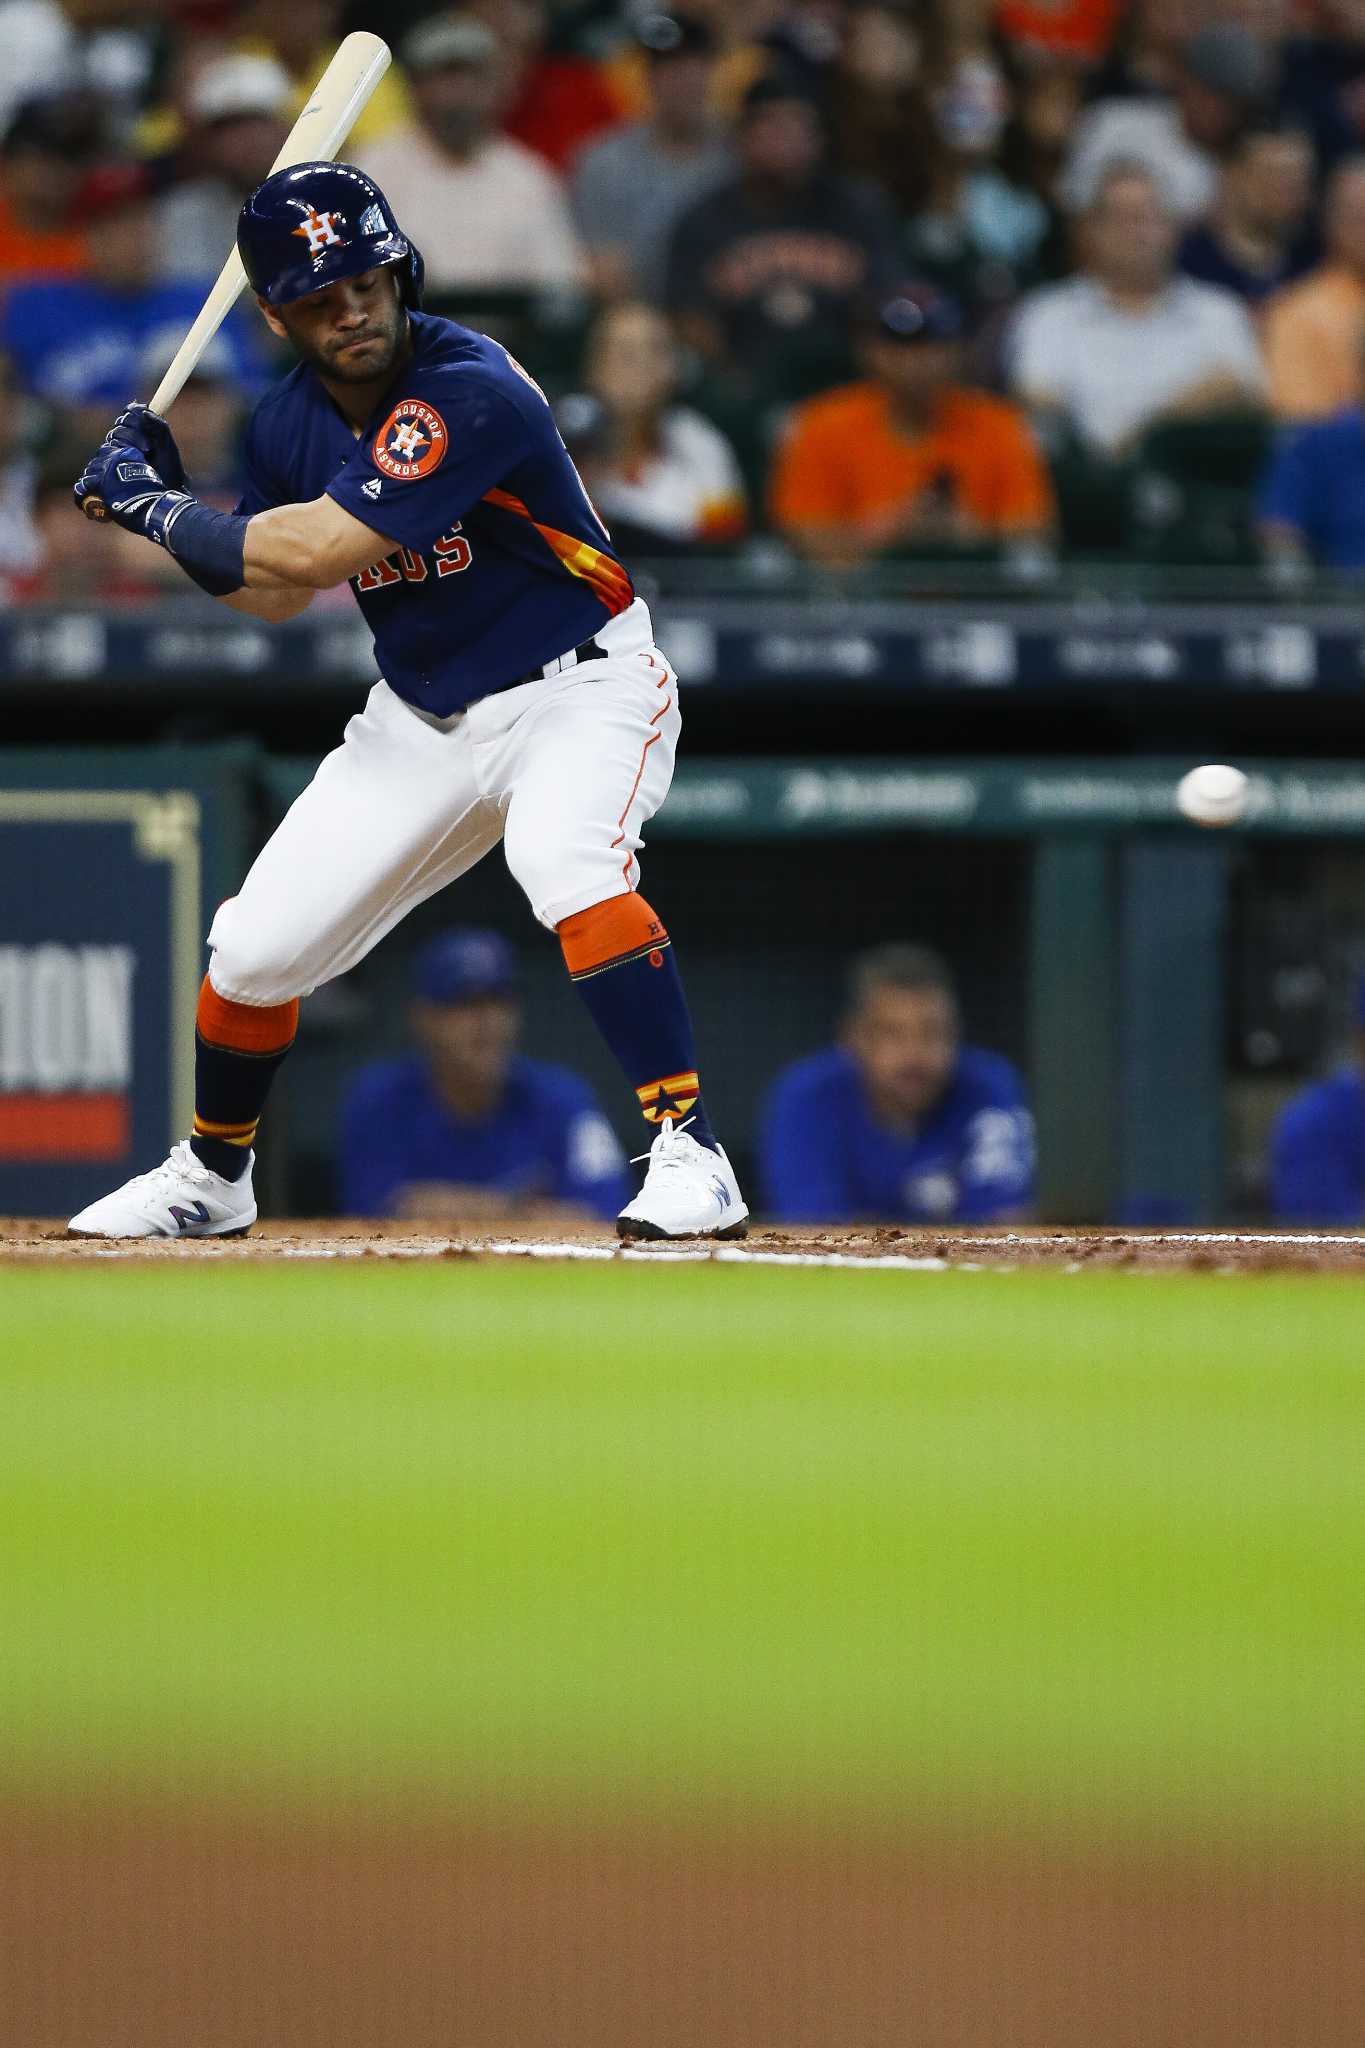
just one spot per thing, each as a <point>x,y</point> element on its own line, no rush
<point>334,105</point>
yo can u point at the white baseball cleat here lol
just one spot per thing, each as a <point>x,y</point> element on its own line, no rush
<point>183,1198</point>
<point>689,1191</point>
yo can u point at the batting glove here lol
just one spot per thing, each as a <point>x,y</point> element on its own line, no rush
<point>120,484</point>
<point>139,427</point>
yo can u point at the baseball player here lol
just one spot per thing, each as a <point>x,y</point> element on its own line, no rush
<point>523,698</point>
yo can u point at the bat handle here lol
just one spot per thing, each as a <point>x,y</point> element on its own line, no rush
<point>94,508</point>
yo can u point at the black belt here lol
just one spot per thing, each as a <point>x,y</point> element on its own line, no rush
<point>586,650</point>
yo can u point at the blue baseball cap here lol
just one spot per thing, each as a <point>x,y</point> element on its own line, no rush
<point>463,966</point>
<point>917,312</point>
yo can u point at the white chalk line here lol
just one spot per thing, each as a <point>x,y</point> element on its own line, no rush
<point>1058,1244</point>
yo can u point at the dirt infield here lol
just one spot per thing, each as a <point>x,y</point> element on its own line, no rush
<point>122,1930</point>
<point>26,1239</point>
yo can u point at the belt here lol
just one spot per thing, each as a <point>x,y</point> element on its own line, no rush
<point>586,650</point>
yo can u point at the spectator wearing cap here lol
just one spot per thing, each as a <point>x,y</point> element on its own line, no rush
<point>47,151</point>
<point>487,211</point>
<point>468,1127</point>
<point>239,109</point>
<point>764,272</point>
<point>909,457</point>
<point>1315,331</point>
<point>1222,78</point>
<point>1257,236</point>
<point>557,101</point>
<point>1317,1148</point>
<point>79,342</point>
<point>1128,343</point>
<point>660,471</point>
<point>899,1122</point>
<point>630,187</point>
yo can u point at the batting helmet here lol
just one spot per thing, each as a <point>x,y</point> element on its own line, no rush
<point>307,226</point>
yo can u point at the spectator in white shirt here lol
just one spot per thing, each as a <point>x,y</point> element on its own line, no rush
<point>485,211</point>
<point>1128,342</point>
<point>662,476</point>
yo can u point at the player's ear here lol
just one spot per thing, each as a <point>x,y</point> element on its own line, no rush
<point>272,319</point>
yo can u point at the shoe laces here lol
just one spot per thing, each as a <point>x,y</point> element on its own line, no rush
<point>665,1151</point>
<point>183,1164</point>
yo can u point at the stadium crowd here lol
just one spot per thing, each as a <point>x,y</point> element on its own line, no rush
<point>870,278</point>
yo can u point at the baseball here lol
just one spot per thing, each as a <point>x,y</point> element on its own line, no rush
<point>1214,795</point>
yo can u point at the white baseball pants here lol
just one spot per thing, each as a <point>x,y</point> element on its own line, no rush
<point>566,771</point>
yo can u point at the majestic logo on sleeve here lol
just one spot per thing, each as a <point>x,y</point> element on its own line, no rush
<point>411,441</point>
<point>319,230</point>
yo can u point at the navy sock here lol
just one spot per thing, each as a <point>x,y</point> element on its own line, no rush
<point>232,1079</point>
<point>636,1000</point>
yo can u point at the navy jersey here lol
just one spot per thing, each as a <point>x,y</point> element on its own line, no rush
<point>503,563</point>
<point>1318,1153</point>
<point>826,1159</point>
<point>546,1140</point>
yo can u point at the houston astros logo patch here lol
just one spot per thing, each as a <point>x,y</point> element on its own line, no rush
<point>411,441</point>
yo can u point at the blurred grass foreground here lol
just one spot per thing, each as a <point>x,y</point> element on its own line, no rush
<point>475,1655</point>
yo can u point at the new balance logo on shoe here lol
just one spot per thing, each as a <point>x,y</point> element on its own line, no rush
<point>185,1219</point>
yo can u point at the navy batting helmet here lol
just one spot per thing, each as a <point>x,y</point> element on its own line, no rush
<point>308,226</point>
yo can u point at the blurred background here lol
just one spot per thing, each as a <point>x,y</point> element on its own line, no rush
<point>975,391</point>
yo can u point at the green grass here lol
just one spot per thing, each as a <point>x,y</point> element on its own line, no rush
<point>1079,1552</point>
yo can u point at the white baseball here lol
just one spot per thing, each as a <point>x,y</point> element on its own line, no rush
<point>1214,795</point>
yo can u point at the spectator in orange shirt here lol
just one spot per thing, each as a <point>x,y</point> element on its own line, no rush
<point>47,150</point>
<point>910,457</point>
<point>1315,331</point>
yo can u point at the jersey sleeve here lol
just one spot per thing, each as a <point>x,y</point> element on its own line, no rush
<point>591,1169</point>
<point>1313,1176</point>
<point>802,1160</point>
<point>999,1157</point>
<point>436,454</point>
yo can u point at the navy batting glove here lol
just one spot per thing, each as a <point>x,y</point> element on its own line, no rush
<point>120,484</point>
<point>137,426</point>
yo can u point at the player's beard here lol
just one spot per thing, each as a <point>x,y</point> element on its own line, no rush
<point>341,363</point>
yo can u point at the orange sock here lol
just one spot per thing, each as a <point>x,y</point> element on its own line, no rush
<point>623,928</point>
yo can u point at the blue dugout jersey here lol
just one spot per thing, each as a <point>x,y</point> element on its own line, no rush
<point>1318,1153</point>
<point>502,563</point>
<point>825,1160</point>
<point>547,1140</point>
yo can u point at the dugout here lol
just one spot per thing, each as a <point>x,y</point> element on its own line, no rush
<point>1162,988</point>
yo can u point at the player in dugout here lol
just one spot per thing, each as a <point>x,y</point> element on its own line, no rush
<point>900,1122</point>
<point>468,1128</point>
<point>1317,1153</point>
<point>522,698</point>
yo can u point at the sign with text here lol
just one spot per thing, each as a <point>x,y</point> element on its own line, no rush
<point>102,914</point>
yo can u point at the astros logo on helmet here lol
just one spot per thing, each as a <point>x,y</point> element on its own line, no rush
<point>320,231</point>
<point>411,441</point>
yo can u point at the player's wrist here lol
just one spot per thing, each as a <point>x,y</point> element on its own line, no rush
<point>209,545</point>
